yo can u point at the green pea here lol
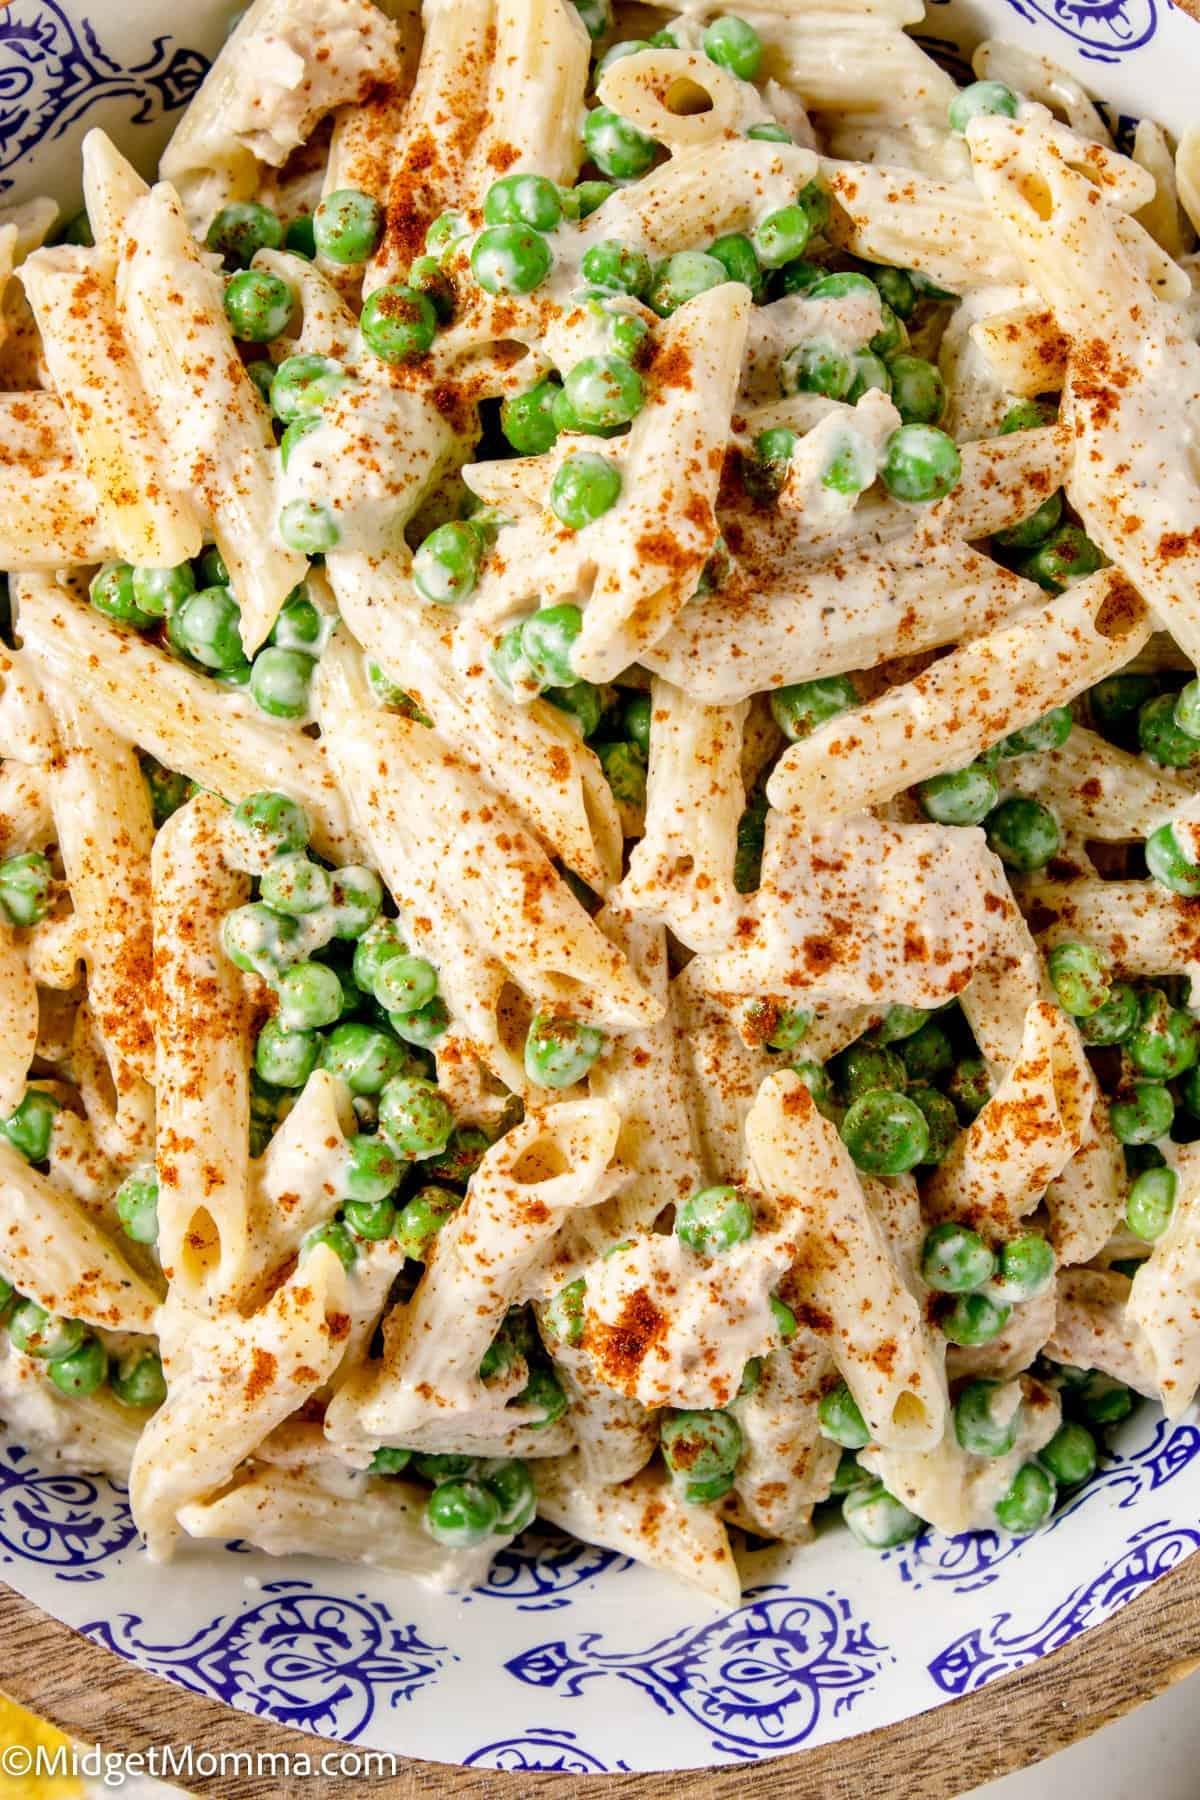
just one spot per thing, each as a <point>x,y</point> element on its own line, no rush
<point>681,277</point>
<point>461,1514</point>
<point>258,305</point>
<point>168,789</point>
<point>137,1380</point>
<point>334,1235</point>
<point>1023,833</point>
<point>414,1117</point>
<point>546,640</point>
<point>111,593</point>
<point>1169,865</point>
<point>364,1058</point>
<point>976,1426</point>
<point>920,463</point>
<point>1066,557</point>
<point>304,385</point>
<point>736,255</point>
<point>1026,415</point>
<point>136,1203</point>
<point>970,1085</point>
<point>734,45</point>
<point>300,238</point>
<point>769,132</point>
<point>1187,709</point>
<point>918,392</point>
<point>980,99</point>
<point>1150,1203</point>
<point>29,1129</point>
<point>764,473</point>
<point>603,391</point>
<point>1116,700</point>
<point>373,949</point>
<point>1190,1088</point>
<point>212,568</point>
<point>310,996</point>
<point>1104,1400</point>
<point>960,796</point>
<point>898,289</point>
<point>865,1067</point>
<point>582,702</point>
<point>293,884</point>
<point>308,527</point>
<point>848,1474</point>
<point>26,883</point>
<point>279,682</point>
<point>714,1219</point>
<point>206,628</point>
<point>511,1486</point>
<point>389,1459</point>
<point>1112,1022</point>
<point>426,276</point>
<point>927,1055</point>
<point>817,367</point>
<point>1026,1268</point>
<point>446,231</point>
<point>751,834</point>
<point>1070,1456</point>
<point>1028,1502</point>
<point>527,420</point>
<point>285,1058</point>
<point>356,894</point>
<point>585,486</point>
<point>266,825</point>
<point>973,1320</point>
<point>347,226</point>
<point>843,282</point>
<point>1161,737</point>
<point>404,983</point>
<point>510,259</point>
<point>157,592</point>
<point>781,236</point>
<point>885,1132</point>
<point>940,1118</point>
<point>751,1378</point>
<point>1034,530</point>
<point>1142,1114</point>
<point>371,1175</point>
<point>800,708</point>
<point>816,1080</point>
<point>615,146</point>
<point>240,230</point>
<point>371,1220</point>
<point>76,230</point>
<point>1046,733</point>
<point>40,1334</point>
<point>840,1419</point>
<point>1079,974</point>
<point>877,1518</point>
<point>797,277</point>
<point>635,719</point>
<point>544,1393</point>
<point>446,567</point>
<point>82,1372</point>
<point>422,1217</point>
<point>596,16</point>
<point>778,1027</point>
<point>900,1022</point>
<point>891,336</point>
<point>870,373</point>
<point>258,940</point>
<point>624,767</point>
<point>447,1465</point>
<point>559,1052</point>
<point>1163,1045</point>
<point>399,323</point>
<point>955,1259</point>
<point>563,1315</point>
<point>784,1319</point>
<point>262,374</point>
<point>698,1445</point>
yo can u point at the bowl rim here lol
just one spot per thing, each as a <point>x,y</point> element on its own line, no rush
<point>1150,1644</point>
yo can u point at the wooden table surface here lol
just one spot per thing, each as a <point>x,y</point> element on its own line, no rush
<point>95,1696</point>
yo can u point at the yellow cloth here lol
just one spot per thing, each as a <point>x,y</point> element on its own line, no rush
<point>20,1727</point>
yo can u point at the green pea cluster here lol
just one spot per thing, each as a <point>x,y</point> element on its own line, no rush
<point>982,1285</point>
<point>1047,546</point>
<point>77,1362</point>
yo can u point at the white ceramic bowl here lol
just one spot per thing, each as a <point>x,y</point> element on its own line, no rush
<point>535,1669</point>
